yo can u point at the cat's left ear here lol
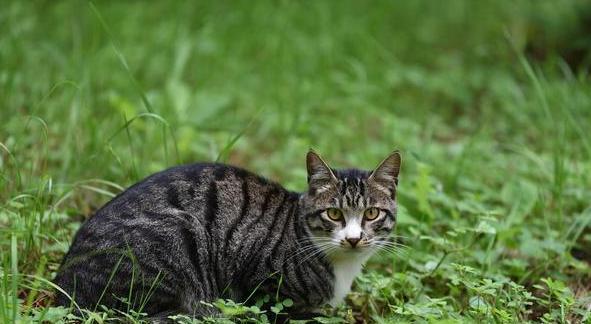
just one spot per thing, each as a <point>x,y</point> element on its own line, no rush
<point>385,176</point>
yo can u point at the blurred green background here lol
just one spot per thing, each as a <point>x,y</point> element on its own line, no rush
<point>489,102</point>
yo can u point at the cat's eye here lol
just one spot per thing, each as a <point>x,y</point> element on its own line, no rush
<point>371,213</point>
<point>334,214</point>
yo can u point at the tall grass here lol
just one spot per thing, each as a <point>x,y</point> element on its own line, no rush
<point>494,193</point>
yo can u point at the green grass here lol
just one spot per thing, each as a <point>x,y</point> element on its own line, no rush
<point>495,192</point>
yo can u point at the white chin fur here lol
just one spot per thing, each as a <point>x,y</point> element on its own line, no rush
<point>346,266</point>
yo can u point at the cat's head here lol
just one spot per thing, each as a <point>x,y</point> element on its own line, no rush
<point>350,210</point>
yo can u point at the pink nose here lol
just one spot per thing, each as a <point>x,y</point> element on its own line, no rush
<point>353,241</point>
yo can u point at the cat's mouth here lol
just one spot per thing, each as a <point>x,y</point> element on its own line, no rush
<point>347,251</point>
<point>354,247</point>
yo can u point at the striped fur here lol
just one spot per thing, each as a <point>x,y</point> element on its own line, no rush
<point>206,231</point>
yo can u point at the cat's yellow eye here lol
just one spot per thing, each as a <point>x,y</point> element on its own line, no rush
<point>334,214</point>
<point>371,213</point>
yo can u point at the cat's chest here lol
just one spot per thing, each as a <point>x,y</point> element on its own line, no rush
<point>345,270</point>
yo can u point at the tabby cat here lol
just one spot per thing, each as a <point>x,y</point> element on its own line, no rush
<point>206,231</point>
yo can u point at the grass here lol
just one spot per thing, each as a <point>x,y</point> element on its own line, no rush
<point>486,101</point>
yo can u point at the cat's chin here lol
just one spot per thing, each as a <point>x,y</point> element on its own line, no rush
<point>355,251</point>
<point>358,254</point>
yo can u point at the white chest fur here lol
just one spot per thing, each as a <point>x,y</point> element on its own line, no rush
<point>345,269</point>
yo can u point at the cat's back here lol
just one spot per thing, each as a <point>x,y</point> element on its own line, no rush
<point>178,187</point>
<point>206,196</point>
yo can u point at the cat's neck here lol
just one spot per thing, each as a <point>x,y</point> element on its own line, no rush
<point>346,266</point>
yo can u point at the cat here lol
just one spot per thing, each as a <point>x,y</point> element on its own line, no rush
<point>196,233</point>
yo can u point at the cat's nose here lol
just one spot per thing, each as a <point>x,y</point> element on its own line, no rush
<point>353,241</point>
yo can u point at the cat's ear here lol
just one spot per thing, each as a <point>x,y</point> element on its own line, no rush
<point>385,176</point>
<point>320,176</point>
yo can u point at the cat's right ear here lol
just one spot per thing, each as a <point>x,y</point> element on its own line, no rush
<point>320,176</point>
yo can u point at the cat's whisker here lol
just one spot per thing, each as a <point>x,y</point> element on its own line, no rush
<point>391,250</point>
<point>311,255</point>
<point>390,243</point>
<point>323,251</point>
<point>400,236</point>
<point>401,247</point>
<point>308,248</point>
<point>393,245</point>
<point>304,250</point>
<point>397,247</point>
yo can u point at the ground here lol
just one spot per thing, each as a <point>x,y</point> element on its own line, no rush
<point>489,103</point>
